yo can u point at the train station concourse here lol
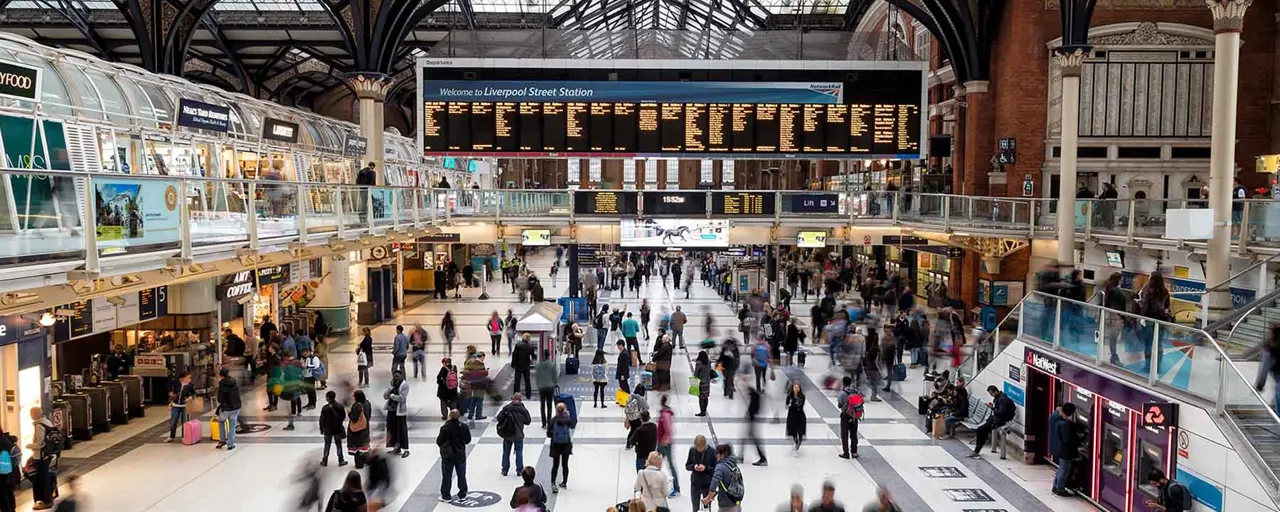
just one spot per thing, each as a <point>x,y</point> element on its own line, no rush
<point>640,256</point>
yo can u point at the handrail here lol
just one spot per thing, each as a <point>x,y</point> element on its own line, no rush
<point>1238,315</point>
<point>1262,302</point>
<point>994,333</point>
<point>1204,314</point>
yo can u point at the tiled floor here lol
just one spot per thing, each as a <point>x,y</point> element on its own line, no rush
<point>144,474</point>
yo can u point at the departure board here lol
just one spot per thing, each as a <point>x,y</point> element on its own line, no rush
<point>654,128</point>
<point>683,204</point>
<point>590,202</point>
<point>742,203</point>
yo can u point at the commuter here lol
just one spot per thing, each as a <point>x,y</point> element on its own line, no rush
<point>522,357</point>
<point>688,284</point>
<point>889,353</point>
<point>796,501</point>
<point>494,325</point>
<point>511,421</point>
<point>358,428</point>
<point>597,323</point>
<point>447,386</point>
<point>754,402</point>
<point>350,498</point>
<point>599,379</point>
<point>289,347</point>
<point>883,503</point>
<point>637,405</point>
<point>311,371</point>
<point>291,387</point>
<point>321,350</point>
<point>728,361</point>
<point>676,269</point>
<point>449,330</point>
<point>760,362</point>
<point>532,492</point>
<point>477,376</point>
<point>1063,445</point>
<point>1172,497</point>
<point>645,439</point>
<point>366,346</point>
<point>267,329</point>
<point>1002,412</point>
<point>661,359</point>
<point>1153,303</point>
<point>453,440</point>
<point>509,325</point>
<point>332,419</point>
<point>958,411</point>
<point>43,451</point>
<point>701,464</point>
<point>678,321</point>
<point>399,350</point>
<point>645,310</point>
<point>397,397</point>
<point>794,337</point>
<point>796,419</point>
<point>703,372</point>
<point>367,176</point>
<point>228,408</point>
<point>666,435</point>
<point>631,332</point>
<point>561,435</point>
<point>851,410</point>
<point>418,340</point>
<point>9,445</point>
<point>302,342</point>
<point>623,371</point>
<point>380,480</point>
<point>651,484</point>
<point>547,380</point>
<point>727,488</point>
<point>828,502</point>
<point>180,391</point>
<point>71,501</point>
<point>1107,206</point>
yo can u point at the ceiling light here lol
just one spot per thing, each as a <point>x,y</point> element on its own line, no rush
<point>47,319</point>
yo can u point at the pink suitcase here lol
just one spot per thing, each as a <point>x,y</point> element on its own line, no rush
<point>191,432</point>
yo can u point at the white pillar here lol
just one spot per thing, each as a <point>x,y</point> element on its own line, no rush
<point>371,91</point>
<point>1070,63</point>
<point>1228,18</point>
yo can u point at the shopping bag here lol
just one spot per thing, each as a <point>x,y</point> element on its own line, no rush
<point>899,373</point>
<point>695,386</point>
<point>195,406</point>
<point>620,397</point>
<point>939,426</point>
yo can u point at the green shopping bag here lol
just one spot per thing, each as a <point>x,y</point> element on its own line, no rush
<point>695,386</point>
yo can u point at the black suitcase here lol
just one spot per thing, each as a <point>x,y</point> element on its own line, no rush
<point>571,366</point>
<point>922,405</point>
<point>801,356</point>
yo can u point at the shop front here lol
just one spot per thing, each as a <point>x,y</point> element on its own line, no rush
<point>252,296</point>
<point>933,274</point>
<point>24,371</point>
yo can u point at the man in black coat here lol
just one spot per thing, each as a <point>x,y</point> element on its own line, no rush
<point>453,440</point>
<point>522,358</point>
<point>511,421</point>
<point>332,418</point>
<point>1063,445</point>
<point>1002,412</point>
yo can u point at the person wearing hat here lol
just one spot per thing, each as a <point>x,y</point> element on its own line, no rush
<point>796,503</point>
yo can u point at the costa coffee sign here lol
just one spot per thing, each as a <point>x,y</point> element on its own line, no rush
<point>19,81</point>
<point>1042,363</point>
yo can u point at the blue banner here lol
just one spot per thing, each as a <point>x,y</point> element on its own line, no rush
<point>662,92</point>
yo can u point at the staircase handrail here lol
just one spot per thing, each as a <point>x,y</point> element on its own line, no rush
<point>1232,319</point>
<point>1266,300</point>
<point>1204,299</point>
<point>973,355</point>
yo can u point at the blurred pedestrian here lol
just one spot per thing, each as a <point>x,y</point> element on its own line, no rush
<point>308,480</point>
<point>561,434</point>
<point>358,442</point>
<point>828,502</point>
<point>532,492</point>
<point>666,436</point>
<point>397,397</point>
<point>350,498</point>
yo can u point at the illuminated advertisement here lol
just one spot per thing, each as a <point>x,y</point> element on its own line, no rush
<point>535,237</point>
<point>675,233</point>
<point>811,239</point>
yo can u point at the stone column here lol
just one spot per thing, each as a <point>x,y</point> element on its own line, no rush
<point>980,137</point>
<point>1228,19</point>
<point>1070,60</point>
<point>371,91</point>
<point>957,142</point>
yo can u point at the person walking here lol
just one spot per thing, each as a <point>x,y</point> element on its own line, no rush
<point>522,358</point>
<point>418,340</point>
<point>511,421</point>
<point>1002,412</point>
<point>851,408</point>
<point>494,325</point>
<point>760,362</point>
<point>678,321</point>
<point>43,449</point>
<point>645,311</point>
<point>666,435</point>
<point>623,371</point>
<point>228,408</point>
<point>796,420</point>
<point>560,432</point>
<point>727,488</point>
<point>701,465</point>
<point>448,330</point>
<point>651,484</point>
<point>447,387</point>
<point>755,401</point>
<point>645,439</point>
<point>636,406</point>
<point>661,359</point>
<point>796,501</point>
<point>703,372</point>
<point>547,379</point>
<point>366,346</point>
<point>397,397</point>
<point>794,337</point>
<point>728,361</point>
<point>509,326</point>
<point>180,391</point>
<point>312,370</point>
<point>332,419</point>
<point>1063,446</point>
<point>631,332</point>
<point>453,440</point>
<point>828,501</point>
<point>599,379</point>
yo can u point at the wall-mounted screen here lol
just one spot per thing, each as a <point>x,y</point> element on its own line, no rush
<point>1115,259</point>
<point>811,239</point>
<point>675,233</point>
<point>535,237</point>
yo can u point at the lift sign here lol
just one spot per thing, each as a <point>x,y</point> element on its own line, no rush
<point>1159,414</point>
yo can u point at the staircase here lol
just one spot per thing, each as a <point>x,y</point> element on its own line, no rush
<point>1260,429</point>
<point>1250,332</point>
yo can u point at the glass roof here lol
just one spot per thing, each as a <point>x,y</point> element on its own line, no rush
<point>267,5</point>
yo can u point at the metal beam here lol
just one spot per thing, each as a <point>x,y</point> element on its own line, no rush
<point>468,13</point>
<point>81,23</point>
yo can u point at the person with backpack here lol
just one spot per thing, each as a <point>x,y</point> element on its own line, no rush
<point>46,444</point>
<point>312,371</point>
<point>598,324</point>
<point>453,440</point>
<point>10,470</point>
<point>651,485</point>
<point>635,407</point>
<point>332,427</point>
<point>228,408</point>
<point>511,421</point>
<point>418,340</point>
<point>561,434</point>
<point>760,362</point>
<point>533,493</point>
<point>727,488</point>
<point>397,397</point>
<point>851,409</point>
<point>1172,496</point>
<point>447,386</point>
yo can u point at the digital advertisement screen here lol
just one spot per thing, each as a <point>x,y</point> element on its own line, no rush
<point>871,114</point>
<point>742,203</point>
<point>1115,259</point>
<point>675,233</point>
<point>675,203</point>
<point>535,237</point>
<point>811,239</point>
<point>590,202</point>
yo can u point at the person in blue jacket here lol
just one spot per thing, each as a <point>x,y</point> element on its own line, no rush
<point>1063,445</point>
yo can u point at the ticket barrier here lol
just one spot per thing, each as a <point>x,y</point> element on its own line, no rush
<point>81,413</point>
<point>61,418</point>
<point>133,394</point>
<point>99,408</point>
<point>118,408</point>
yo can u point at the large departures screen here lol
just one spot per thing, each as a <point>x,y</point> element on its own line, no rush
<point>876,114</point>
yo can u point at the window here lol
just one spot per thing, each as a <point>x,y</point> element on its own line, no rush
<point>628,174</point>
<point>726,175</point>
<point>707,172</point>
<point>593,171</point>
<point>673,173</point>
<point>650,173</point>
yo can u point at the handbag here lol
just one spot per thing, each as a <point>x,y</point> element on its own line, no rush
<point>360,423</point>
<point>695,386</point>
<point>651,367</point>
<point>620,397</point>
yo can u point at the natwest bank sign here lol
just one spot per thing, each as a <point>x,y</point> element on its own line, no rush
<point>1043,363</point>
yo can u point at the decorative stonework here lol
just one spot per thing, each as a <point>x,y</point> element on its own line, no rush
<point>373,86</point>
<point>1136,4</point>
<point>1228,15</point>
<point>976,86</point>
<point>1070,62</point>
<point>1148,34</point>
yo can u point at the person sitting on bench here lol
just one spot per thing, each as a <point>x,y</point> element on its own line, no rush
<point>1002,412</point>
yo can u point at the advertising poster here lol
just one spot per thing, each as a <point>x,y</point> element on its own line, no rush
<point>811,239</point>
<point>535,237</point>
<point>136,210</point>
<point>675,233</point>
<point>383,202</point>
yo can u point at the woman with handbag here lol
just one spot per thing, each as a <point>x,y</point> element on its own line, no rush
<point>358,428</point>
<point>652,487</point>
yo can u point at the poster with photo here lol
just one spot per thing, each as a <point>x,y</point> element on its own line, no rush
<point>136,211</point>
<point>675,233</point>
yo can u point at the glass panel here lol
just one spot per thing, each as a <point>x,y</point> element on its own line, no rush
<point>322,214</point>
<point>113,99</point>
<point>1039,312</point>
<point>277,209</point>
<point>1080,329</point>
<point>53,93</point>
<point>88,93</point>
<point>142,103</point>
<point>136,213</point>
<point>1186,361</point>
<point>159,101</point>
<point>218,212</point>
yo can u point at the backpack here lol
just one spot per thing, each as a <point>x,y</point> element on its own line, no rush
<point>53,441</point>
<point>854,405</point>
<point>560,433</point>
<point>319,372</point>
<point>6,463</point>
<point>507,425</point>
<point>1183,497</point>
<point>451,380</point>
<point>761,355</point>
<point>734,487</point>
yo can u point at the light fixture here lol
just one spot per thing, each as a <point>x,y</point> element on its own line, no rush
<point>47,319</point>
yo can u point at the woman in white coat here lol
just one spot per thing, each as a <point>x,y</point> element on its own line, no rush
<point>653,485</point>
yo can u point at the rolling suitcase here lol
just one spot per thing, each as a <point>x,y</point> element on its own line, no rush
<point>569,404</point>
<point>801,355</point>
<point>215,429</point>
<point>571,366</point>
<point>191,432</point>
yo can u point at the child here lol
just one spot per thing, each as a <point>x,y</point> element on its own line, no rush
<point>362,368</point>
<point>599,378</point>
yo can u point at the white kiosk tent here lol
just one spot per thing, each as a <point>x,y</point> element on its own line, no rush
<point>542,320</point>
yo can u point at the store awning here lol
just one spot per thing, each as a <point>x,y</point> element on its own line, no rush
<point>542,317</point>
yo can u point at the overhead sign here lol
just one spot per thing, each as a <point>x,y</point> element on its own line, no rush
<point>903,240</point>
<point>1042,363</point>
<point>355,146</point>
<point>1269,164</point>
<point>592,202</point>
<point>17,328</point>
<point>19,81</point>
<point>441,238</point>
<point>675,203</point>
<point>630,91</point>
<point>279,130</point>
<point>153,303</point>
<point>246,281</point>
<point>78,323</point>
<point>815,203</point>
<point>1159,414</point>
<point>1007,150</point>
<point>273,275</point>
<point>742,203</point>
<point>195,114</point>
<point>811,239</point>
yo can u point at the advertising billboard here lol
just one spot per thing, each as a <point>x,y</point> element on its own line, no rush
<point>684,233</point>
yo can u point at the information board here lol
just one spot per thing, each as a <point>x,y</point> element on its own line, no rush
<point>815,203</point>
<point>684,204</point>
<point>591,202</point>
<point>78,323</point>
<point>742,203</point>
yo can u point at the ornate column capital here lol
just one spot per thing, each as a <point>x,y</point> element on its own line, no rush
<point>976,86</point>
<point>1070,60</point>
<point>1228,15</point>
<point>373,86</point>
<point>959,89</point>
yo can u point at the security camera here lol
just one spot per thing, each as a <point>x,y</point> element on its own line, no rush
<point>118,301</point>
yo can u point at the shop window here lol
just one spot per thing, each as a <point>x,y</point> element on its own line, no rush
<point>1113,447</point>
<point>1149,153</point>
